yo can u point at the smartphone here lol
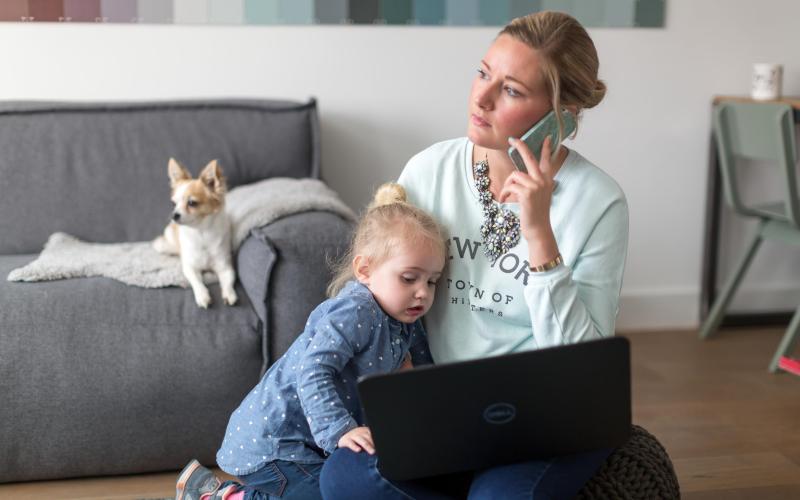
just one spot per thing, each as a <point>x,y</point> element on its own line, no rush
<point>534,137</point>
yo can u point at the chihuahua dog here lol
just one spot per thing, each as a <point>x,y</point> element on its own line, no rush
<point>200,231</point>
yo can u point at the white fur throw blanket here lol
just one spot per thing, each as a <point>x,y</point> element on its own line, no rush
<point>249,206</point>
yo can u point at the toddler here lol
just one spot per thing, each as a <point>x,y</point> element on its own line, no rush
<point>306,405</point>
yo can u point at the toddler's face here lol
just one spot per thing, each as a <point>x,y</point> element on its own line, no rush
<point>405,283</point>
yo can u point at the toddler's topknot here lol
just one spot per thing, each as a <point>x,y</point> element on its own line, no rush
<point>390,224</point>
<point>388,194</point>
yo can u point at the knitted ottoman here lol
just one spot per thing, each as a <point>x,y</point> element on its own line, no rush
<point>639,470</point>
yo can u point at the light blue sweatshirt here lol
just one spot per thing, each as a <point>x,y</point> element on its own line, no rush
<point>484,309</point>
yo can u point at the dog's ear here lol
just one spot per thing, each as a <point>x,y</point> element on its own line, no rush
<point>211,175</point>
<point>176,172</point>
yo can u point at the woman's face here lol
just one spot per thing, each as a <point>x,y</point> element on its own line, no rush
<point>508,94</point>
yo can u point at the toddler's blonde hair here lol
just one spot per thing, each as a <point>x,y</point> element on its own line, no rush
<point>388,221</point>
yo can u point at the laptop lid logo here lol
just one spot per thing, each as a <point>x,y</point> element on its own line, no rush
<point>499,413</point>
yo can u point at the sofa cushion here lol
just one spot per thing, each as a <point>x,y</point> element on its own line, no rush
<point>69,348</point>
<point>99,171</point>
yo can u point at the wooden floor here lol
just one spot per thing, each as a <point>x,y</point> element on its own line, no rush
<point>731,428</point>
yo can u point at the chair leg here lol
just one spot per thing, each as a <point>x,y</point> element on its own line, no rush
<point>721,304</point>
<point>788,341</point>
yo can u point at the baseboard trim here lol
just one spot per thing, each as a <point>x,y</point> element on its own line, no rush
<point>679,308</point>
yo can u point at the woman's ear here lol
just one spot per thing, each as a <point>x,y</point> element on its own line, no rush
<point>361,269</point>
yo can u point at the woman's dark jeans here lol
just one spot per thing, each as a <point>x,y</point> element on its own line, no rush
<point>347,475</point>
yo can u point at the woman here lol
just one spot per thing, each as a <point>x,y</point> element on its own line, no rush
<point>536,258</point>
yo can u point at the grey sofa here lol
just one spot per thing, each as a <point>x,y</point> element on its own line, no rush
<point>99,378</point>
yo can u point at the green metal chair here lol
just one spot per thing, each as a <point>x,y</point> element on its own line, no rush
<point>760,131</point>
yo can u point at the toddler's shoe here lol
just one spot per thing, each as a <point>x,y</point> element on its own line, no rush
<point>196,481</point>
<point>790,365</point>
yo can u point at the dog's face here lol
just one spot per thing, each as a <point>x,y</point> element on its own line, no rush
<point>196,199</point>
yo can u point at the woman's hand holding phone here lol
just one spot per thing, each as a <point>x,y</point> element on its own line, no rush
<point>358,439</point>
<point>534,192</point>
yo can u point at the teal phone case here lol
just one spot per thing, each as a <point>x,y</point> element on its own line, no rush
<point>534,137</point>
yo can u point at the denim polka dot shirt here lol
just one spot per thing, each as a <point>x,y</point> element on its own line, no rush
<point>308,399</point>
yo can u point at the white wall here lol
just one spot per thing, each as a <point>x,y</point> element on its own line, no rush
<point>387,92</point>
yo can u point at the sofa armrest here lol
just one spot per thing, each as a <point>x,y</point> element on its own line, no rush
<point>284,267</point>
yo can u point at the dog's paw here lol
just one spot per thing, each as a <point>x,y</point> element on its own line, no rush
<point>229,297</point>
<point>202,298</point>
<point>160,244</point>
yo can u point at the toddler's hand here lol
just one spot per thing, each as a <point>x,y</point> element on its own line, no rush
<point>407,365</point>
<point>358,439</point>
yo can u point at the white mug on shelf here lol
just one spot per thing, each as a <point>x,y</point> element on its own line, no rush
<point>767,81</point>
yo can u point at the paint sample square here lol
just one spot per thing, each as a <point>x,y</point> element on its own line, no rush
<point>462,13</point>
<point>155,11</point>
<point>330,11</point>
<point>560,5</point>
<point>519,8</point>
<point>590,14</point>
<point>82,11</point>
<point>429,12</point>
<point>396,11</point>
<point>620,13</point>
<point>225,11</point>
<point>296,11</point>
<point>649,13</point>
<point>363,11</point>
<point>13,10</point>
<point>494,12</point>
<point>118,11</point>
<point>262,11</point>
<point>47,11</point>
<point>190,12</point>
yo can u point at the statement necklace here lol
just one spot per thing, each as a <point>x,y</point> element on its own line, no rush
<point>500,228</point>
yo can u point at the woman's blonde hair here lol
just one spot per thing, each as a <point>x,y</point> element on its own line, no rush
<point>388,221</point>
<point>568,56</point>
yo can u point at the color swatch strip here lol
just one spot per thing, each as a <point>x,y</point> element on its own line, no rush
<point>592,13</point>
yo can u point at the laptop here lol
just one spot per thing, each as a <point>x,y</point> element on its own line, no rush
<point>471,415</point>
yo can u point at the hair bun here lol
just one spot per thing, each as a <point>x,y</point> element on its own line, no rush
<point>597,95</point>
<point>388,194</point>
